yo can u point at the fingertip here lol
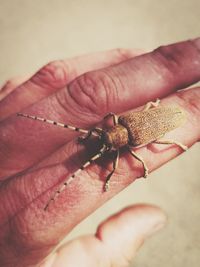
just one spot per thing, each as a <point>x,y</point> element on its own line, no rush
<point>140,220</point>
<point>124,233</point>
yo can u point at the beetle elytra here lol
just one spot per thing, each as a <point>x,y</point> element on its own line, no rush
<point>131,130</point>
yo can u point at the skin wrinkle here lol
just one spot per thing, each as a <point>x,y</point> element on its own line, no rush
<point>105,99</point>
<point>112,95</point>
<point>72,90</point>
<point>72,163</point>
<point>67,97</point>
<point>24,208</point>
<point>88,88</point>
<point>92,85</point>
<point>12,215</point>
<point>54,74</point>
<point>112,89</point>
<point>76,110</point>
<point>85,103</point>
<point>82,85</point>
<point>60,102</point>
<point>18,184</point>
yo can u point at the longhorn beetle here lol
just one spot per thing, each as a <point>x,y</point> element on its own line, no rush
<point>131,130</point>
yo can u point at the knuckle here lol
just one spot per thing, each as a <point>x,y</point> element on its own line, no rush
<point>169,59</point>
<point>174,59</point>
<point>92,92</point>
<point>52,75</point>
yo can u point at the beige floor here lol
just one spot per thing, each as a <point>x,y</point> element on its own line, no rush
<point>34,32</point>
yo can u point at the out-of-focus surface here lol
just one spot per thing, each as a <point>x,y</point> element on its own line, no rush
<point>35,32</point>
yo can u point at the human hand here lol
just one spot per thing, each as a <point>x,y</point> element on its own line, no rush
<point>36,157</point>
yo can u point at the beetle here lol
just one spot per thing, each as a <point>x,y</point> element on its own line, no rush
<point>133,129</point>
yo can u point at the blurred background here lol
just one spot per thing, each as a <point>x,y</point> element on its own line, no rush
<point>34,32</point>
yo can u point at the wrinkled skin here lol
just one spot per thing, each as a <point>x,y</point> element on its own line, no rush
<point>35,157</point>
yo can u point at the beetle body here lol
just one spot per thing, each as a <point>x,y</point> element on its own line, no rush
<point>144,127</point>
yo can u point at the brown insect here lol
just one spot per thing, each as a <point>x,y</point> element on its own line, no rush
<point>131,130</point>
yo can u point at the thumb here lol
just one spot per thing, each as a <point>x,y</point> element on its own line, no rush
<point>116,241</point>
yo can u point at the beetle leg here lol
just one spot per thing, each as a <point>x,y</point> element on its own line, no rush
<point>169,142</point>
<point>141,160</point>
<point>114,117</point>
<point>94,131</point>
<point>151,104</point>
<point>115,164</point>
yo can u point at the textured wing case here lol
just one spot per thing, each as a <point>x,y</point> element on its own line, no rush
<point>147,126</point>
